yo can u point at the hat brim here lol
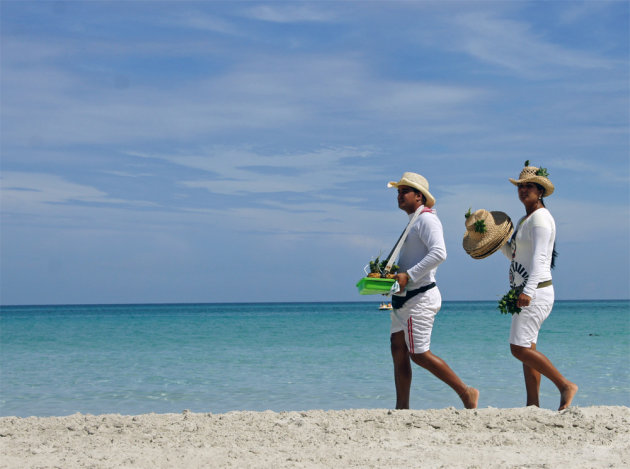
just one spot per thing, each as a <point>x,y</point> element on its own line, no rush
<point>406,182</point>
<point>543,181</point>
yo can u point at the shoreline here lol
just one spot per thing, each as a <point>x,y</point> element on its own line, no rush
<point>593,437</point>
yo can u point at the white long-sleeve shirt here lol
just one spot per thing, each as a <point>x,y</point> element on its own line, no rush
<point>423,250</point>
<point>530,251</point>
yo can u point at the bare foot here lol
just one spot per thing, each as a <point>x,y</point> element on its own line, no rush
<point>470,397</point>
<point>567,394</point>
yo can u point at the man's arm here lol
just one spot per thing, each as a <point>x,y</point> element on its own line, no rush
<point>432,235</point>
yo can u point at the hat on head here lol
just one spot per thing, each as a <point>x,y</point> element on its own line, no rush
<point>486,232</point>
<point>537,175</point>
<point>416,181</point>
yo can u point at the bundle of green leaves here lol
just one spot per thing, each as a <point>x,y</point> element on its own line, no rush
<point>507,304</point>
<point>541,171</point>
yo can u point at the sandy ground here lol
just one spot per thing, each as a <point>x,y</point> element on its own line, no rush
<point>590,437</point>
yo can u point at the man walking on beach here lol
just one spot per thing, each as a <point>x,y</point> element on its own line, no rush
<point>418,300</point>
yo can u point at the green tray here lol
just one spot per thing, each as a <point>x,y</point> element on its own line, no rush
<point>375,286</point>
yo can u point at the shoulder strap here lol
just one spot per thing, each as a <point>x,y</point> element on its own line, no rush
<point>401,240</point>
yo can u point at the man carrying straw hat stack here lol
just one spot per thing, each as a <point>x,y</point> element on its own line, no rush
<point>419,299</point>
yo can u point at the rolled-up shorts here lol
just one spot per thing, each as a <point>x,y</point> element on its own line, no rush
<point>527,323</point>
<point>416,318</point>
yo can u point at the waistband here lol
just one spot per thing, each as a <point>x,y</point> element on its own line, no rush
<point>399,301</point>
<point>546,283</point>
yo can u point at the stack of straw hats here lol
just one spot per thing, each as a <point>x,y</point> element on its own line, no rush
<point>486,232</point>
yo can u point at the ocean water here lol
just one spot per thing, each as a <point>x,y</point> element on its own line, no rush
<point>133,359</point>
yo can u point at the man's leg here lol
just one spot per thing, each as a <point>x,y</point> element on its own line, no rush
<point>402,369</point>
<point>532,383</point>
<point>437,366</point>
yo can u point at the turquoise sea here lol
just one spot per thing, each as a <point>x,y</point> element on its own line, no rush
<point>133,359</point>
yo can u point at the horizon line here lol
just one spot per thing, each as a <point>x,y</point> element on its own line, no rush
<point>267,302</point>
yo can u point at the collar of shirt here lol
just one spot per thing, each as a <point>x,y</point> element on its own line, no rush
<point>419,209</point>
<point>422,209</point>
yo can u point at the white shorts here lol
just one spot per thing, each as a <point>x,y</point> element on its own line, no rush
<point>416,319</point>
<point>527,323</point>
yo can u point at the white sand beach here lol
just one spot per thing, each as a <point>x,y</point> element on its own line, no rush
<point>590,437</point>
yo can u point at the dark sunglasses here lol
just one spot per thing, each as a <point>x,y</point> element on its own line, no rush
<point>406,190</point>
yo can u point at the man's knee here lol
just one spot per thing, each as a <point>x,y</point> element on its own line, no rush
<point>421,359</point>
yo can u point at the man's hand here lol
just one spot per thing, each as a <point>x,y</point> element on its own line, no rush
<point>523,300</point>
<point>403,280</point>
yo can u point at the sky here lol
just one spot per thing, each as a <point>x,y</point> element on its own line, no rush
<point>186,152</point>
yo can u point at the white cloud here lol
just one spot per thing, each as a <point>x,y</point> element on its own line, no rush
<point>46,188</point>
<point>595,171</point>
<point>582,10</point>
<point>205,22</point>
<point>36,193</point>
<point>418,101</point>
<point>57,105</point>
<point>54,106</point>
<point>290,13</point>
<point>514,45</point>
<point>240,170</point>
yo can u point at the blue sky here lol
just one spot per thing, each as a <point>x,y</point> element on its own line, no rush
<point>239,151</point>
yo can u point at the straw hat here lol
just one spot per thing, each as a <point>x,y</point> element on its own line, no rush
<point>486,232</point>
<point>416,181</point>
<point>534,174</point>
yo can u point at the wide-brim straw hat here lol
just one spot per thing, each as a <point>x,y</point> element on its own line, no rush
<point>529,174</point>
<point>481,242</point>
<point>417,181</point>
